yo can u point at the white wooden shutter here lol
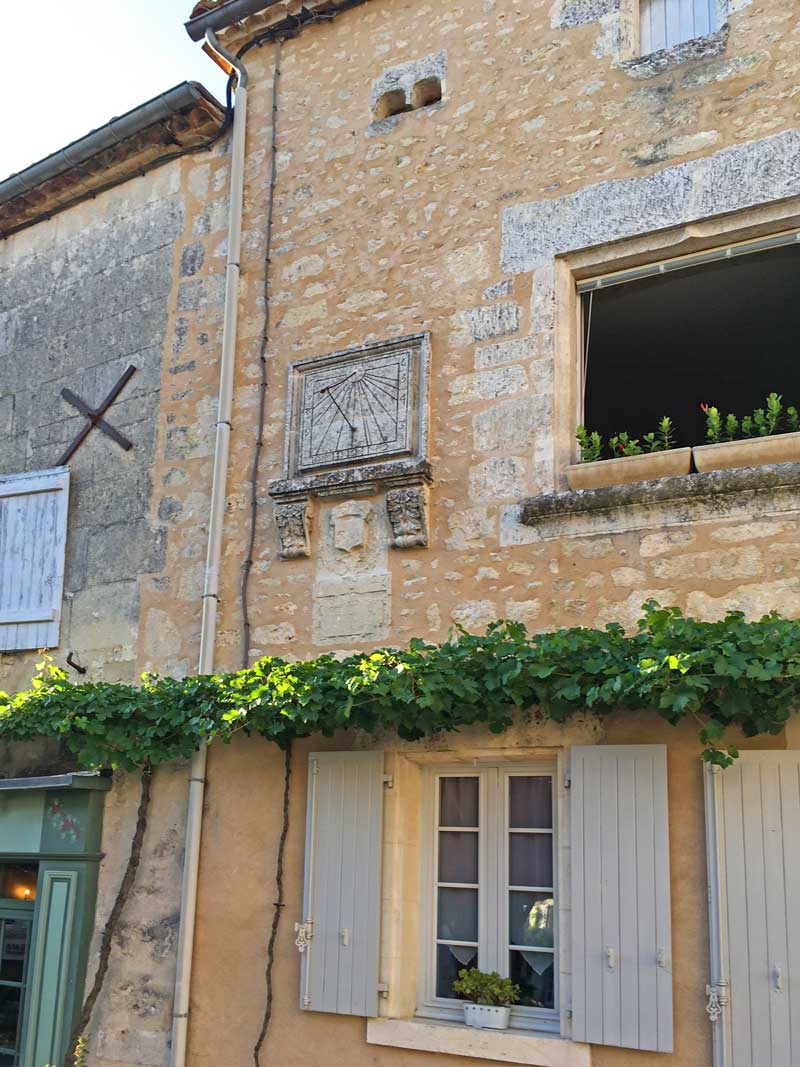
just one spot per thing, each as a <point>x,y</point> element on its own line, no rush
<point>33,534</point>
<point>621,934</point>
<point>341,925</point>
<point>753,823</point>
<point>665,23</point>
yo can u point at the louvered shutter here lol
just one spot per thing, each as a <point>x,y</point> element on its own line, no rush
<point>33,533</point>
<point>665,23</point>
<point>753,822</point>
<point>341,927</point>
<point>621,934</point>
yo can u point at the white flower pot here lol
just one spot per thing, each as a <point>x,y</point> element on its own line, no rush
<point>486,1016</point>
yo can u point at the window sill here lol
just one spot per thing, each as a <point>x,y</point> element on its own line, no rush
<point>501,1046</point>
<point>664,59</point>
<point>773,489</point>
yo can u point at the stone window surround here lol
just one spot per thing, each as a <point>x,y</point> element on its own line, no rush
<point>403,962</point>
<point>571,268</point>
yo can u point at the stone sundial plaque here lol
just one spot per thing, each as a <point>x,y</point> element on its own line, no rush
<point>357,407</point>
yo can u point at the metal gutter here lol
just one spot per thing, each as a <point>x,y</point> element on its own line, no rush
<point>235,11</point>
<point>113,133</point>
<point>220,17</point>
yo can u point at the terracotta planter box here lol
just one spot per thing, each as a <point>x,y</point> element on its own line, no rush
<point>629,469</point>
<point>753,452</point>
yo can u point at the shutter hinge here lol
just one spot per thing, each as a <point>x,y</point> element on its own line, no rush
<point>388,781</point>
<point>315,766</point>
<point>717,999</point>
<point>383,989</point>
<point>304,931</point>
<point>567,782</point>
<point>306,1001</point>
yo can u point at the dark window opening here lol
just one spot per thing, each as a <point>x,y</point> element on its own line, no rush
<point>426,92</point>
<point>391,103</point>
<point>725,333</point>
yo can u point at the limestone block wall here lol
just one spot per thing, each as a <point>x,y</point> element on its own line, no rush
<point>549,130</point>
<point>129,278</point>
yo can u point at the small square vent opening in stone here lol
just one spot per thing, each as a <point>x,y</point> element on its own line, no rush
<point>721,328</point>
<point>426,92</point>
<point>391,103</point>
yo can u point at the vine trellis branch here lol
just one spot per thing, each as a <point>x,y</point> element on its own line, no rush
<point>731,673</point>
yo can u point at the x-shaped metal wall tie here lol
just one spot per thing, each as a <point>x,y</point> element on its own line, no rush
<point>94,415</point>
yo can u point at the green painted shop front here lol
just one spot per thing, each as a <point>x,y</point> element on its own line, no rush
<point>49,853</point>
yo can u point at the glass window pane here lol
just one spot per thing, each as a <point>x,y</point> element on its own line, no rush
<point>458,801</point>
<point>530,919</point>
<point>9,1015</point>
<point>458,857</point>
<point>458,915</point>
<point>450,959</point>
<point>534,973</point>
<point>13,947</point>
<point>530,859</point>
<point>18,881</point>
<point>530,802</point>
<point>6,1060</point>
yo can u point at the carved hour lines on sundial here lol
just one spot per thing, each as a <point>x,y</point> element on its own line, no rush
<point>359,401</point>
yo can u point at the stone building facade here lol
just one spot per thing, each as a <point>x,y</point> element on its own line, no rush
<point>439,200</point>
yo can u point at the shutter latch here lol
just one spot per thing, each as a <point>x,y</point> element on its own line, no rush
<point>717,999</point>
<point>388,781</point>
<point>304,931</point>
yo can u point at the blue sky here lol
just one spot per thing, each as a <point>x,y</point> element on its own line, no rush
<point>71,65</point>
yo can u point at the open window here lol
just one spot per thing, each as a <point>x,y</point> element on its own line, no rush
<point>718,328</point>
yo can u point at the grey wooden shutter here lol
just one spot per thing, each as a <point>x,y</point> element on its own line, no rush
<point>621,934</point>
<point>665,23</point>
<point>341,928</point>
<point>33,533</point>
<point>753,823</point>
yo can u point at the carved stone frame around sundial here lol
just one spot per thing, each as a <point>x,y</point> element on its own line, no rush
<point>357,408</point>
<point>357,422</point>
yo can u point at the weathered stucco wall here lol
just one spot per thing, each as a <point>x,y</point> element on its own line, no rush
<point>387,229</point>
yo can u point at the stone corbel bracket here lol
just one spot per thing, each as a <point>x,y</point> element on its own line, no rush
<point>293,519</point>
<point>404,481</point>
<point>407,507</point>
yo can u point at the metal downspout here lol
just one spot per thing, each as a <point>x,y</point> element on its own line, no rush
<point>208,626</point>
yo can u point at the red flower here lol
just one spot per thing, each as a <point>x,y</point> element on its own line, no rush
<point>704,408</point>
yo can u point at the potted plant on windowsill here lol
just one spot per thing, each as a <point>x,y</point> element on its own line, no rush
<point>770,435</point>
<point>632,460</point>
<point>489,998</point>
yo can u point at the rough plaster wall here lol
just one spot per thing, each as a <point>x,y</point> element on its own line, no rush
<point>378,236</point>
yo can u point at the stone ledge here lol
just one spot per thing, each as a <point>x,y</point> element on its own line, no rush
<point>709,486</point>
<point>771,490</point>
<point>500,1046</point>
<point>350,481</point>
<point>655,63</point>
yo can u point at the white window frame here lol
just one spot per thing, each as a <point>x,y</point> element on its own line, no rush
<point>493,900</point>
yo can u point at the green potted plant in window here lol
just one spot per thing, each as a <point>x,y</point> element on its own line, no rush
<point>630,460</point>
<point>770,435</point>
<point>489,998</point>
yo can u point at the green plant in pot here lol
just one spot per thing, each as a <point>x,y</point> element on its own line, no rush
<point>489,998</point>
